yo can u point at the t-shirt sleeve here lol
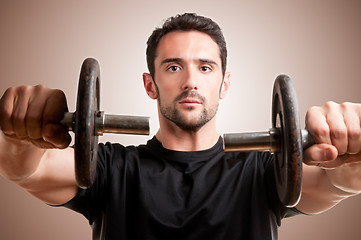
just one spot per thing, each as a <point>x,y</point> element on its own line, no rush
<point>89,202</point>
<point>279,209</point>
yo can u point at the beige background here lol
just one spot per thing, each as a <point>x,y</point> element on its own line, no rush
<point>316,42</point>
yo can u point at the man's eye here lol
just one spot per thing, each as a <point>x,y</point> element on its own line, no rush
<point>205,69</point>
<point>173,68</point>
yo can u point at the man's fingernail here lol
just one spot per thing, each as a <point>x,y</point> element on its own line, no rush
<point>328,154</point>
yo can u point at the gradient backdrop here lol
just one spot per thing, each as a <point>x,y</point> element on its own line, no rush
<point>316,42</point>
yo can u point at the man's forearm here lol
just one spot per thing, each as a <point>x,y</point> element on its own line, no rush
<point>346,177</point>
<point>321,189</point>
<point>18,159</point>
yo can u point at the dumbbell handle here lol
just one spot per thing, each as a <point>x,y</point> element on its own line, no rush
<point>261,141</point>
<point>105,123</point>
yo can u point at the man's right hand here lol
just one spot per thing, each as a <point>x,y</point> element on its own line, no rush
<point>33,114</point>
<point>33,142</point>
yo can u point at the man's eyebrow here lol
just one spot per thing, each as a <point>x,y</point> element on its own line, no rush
<point>168,60</point>
<point>210,61</point>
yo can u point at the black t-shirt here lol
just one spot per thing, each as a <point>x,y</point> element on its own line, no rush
<point>149,192</point>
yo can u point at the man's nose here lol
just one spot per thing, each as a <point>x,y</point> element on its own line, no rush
<point>190,80</point>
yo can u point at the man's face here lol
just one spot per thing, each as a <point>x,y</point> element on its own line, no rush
<point>188,78</point>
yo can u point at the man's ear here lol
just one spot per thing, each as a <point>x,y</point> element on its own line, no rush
<point>225,85</point>
<point>149,86</point>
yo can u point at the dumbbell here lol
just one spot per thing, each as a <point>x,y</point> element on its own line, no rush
<point>285,140</point>
<point>87,123</point>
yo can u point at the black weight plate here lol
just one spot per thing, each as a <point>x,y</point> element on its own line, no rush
<point>288,161</point>
<point>86,138</point>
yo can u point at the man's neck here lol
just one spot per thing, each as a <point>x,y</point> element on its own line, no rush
<point>174,138</point>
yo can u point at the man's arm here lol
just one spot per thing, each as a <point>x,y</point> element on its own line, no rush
<point>33,151</point>
<point>333,170</point>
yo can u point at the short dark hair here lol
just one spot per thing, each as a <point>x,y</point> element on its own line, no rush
<point>186,22</point>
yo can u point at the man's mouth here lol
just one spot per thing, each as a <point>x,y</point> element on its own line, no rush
<point>190,103</point>
<point>190,99</point>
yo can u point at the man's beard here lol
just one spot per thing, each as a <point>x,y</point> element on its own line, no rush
<point>173,114</point>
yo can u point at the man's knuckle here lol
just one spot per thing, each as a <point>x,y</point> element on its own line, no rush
<point>339,132</point>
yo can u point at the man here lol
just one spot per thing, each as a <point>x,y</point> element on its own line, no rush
<point>181,184</point>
